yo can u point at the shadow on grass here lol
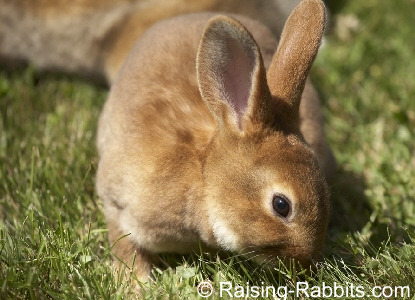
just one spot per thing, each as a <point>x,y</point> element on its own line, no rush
<point>355,222</point>
<point>334,6</point>
<point>350,212</point>
<point>350,209</point>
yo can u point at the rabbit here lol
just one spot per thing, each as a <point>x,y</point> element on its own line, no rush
<point>92,38</point>
<point>213,134</point>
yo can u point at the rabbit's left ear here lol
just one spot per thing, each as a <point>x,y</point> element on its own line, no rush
<point>230,70</point>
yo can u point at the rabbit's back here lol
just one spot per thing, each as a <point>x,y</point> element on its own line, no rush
<point>157,93</point>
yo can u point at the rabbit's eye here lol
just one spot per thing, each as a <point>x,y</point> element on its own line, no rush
<point>281,205</point>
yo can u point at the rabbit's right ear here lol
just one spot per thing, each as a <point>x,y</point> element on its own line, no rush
<point>230,71</point>
<point>297,49</point>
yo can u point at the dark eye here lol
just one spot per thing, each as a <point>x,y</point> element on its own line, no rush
<point>281,205</point>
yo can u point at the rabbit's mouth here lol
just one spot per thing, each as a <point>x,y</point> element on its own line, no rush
<point>288,254</point>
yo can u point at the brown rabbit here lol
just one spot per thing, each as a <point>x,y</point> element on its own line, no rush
<point>198,143</point>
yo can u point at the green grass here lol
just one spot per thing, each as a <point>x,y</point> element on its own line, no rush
<point>53,238</point>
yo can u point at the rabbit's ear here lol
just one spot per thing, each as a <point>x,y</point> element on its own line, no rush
<point>229,69</point>
<point>297,49</point>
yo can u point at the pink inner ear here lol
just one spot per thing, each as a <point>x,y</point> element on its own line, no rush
<point>237,77</point>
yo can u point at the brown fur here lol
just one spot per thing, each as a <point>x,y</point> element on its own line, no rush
<point>93,37</point>
<point>196,154</point>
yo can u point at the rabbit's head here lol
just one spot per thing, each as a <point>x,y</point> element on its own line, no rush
<point>265,192</point>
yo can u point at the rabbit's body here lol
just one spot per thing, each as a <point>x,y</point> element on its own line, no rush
<point>156,125</point>
<point>211,153</point>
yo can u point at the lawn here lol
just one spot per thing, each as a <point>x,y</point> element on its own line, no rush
<point>53,237</point>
